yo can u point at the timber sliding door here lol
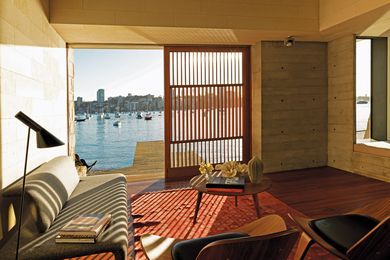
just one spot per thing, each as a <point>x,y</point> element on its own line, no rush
<point>207,107</point>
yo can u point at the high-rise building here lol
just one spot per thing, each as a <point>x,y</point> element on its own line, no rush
<point>100,96</point>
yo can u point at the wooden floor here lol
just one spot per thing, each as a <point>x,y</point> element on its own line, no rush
<point>314,192</point>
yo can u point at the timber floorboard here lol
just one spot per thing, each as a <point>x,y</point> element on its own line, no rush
<point>315,192</point>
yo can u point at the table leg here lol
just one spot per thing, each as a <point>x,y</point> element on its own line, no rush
<point>198,200</point>
<point>256,202</point>
<point>236,202</point>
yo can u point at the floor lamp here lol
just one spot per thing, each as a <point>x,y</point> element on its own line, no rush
<point>44,140</point>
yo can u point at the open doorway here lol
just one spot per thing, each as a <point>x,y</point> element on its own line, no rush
<point>119,111</point>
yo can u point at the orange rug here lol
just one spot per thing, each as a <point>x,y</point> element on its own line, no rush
<point>170,214</point>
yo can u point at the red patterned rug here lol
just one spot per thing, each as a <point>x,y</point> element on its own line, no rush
<point>170,214</point>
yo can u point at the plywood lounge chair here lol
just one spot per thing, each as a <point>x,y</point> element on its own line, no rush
<point>360,234</point>
<point>265,238</point>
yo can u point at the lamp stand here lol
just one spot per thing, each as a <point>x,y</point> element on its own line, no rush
<point>22,199</point>
<point>44,140</point>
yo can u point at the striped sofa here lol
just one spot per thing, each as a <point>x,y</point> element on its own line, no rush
<point>54,195</point>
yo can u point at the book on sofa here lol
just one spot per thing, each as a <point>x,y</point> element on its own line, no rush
<point>233,184</point>
<point>81,240</point>
<point>84,228</point>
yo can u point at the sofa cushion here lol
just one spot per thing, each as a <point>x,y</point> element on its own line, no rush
<point>49,187</point>
<point>94,194</point>
<point>64,169</point>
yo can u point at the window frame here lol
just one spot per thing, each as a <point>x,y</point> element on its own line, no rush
<point>372,146</point>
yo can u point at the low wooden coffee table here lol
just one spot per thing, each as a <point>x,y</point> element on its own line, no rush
<point>199,183</point>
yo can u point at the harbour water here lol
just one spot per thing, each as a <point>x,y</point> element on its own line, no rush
<point>362,115</point>
<point>114,147</point>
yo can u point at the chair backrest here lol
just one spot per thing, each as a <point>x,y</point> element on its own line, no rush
<point>374,245</point>
<point>276,246</point>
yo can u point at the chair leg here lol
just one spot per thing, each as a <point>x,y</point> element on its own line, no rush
<point>304,245</point>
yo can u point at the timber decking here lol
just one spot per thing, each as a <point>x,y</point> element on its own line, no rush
<point>148,163</point>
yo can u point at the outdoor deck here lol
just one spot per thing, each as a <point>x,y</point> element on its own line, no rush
<point>148,163</point>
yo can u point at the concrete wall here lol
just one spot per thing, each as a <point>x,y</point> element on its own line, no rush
<point>33,80</point>
<point>341,135</point>
<point>71,112</point>
<point>341,89</point>
<point>294,105</point>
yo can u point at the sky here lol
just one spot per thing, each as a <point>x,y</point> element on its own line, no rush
<point>363,67</point>
<point>118,72</point>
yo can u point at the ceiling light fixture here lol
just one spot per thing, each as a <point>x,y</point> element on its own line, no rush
<point>289,41</point>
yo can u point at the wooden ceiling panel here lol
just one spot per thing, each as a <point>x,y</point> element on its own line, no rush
<point>101,34</point>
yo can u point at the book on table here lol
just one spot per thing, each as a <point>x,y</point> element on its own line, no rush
<point>84,228</point>
<point>231,184</point>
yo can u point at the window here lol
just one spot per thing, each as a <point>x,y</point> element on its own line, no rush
<point>372,118</point>
<point>363,88</point>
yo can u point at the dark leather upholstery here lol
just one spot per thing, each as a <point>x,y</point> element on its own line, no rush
<point>189,249</point>
<point>343,231</point>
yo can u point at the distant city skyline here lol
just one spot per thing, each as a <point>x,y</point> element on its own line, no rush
<point>118,72</point>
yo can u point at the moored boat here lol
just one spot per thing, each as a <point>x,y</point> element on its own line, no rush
<point>117,123</point>
<point>80,118</point>
<point>148,116</point>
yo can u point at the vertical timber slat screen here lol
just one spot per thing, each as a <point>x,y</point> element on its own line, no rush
<point>207,108</point>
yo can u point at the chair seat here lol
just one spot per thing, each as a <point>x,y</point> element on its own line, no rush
<point>189,249</point>
<point>343,231</point>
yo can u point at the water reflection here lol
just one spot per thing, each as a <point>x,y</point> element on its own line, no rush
<point>114,147</point>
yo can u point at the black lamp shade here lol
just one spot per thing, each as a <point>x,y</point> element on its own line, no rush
<point>44,138</point>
